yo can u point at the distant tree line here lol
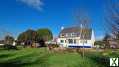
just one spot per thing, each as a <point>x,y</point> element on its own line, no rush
<point>29,38</point>
<point>35,36</point>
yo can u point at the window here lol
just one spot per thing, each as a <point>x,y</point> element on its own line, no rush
<point>74,41</point>
<point>74,34</point>
<point>70,41</point>
<point>62,41</point>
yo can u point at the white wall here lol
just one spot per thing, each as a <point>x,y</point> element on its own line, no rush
<point>79,43</point>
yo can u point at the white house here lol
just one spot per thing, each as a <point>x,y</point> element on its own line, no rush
<point>75,37</point>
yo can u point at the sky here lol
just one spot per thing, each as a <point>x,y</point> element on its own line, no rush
<point>16,16</point>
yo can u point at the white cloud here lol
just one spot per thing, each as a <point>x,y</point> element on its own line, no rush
<point>37,4</point>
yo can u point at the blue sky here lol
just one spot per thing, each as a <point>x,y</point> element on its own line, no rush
<point>18,15</point>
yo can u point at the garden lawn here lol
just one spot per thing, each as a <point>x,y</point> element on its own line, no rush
<point>40,57</point>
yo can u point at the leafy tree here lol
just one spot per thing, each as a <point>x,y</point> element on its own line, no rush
<point>44,34</point>
<point>99,43</point>
<point>21,37</point>
<point>40,36</point>
<point>28,37</point>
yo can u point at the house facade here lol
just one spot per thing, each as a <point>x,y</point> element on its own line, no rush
<point>75,37</point>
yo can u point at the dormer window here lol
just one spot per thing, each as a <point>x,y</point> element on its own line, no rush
<point>69,34</point>
<point>74,34</point>
<point>62,35</point>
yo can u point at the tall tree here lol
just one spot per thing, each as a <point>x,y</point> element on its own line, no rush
<point>44,34</point>
<point>83,21</point>
<point>112,17</point>
<point>28,35</point>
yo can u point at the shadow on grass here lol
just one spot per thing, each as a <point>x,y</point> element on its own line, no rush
<point>25,61</point>
<point>10,64</point>
<point>4,55</point>
<point>102,61</point>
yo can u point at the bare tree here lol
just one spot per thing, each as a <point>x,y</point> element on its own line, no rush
<point>82,18</point>
<point>5,33</point>
<point>112,17</point>
<point>83,21</point>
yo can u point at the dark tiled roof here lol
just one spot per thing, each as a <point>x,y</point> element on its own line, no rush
<point>70,30</point>
<point>85,32</point>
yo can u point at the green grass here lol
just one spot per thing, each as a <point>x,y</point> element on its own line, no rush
<point>40,57</point>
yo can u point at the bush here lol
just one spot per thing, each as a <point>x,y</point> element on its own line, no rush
<point>8,47</point>
<point>54,45</point>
